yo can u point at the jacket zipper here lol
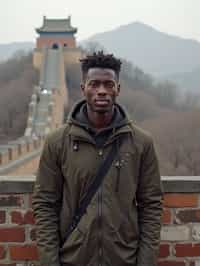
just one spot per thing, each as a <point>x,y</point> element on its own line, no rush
<point>100,241</point>
<point>100,244</point>
<point>118,177</point>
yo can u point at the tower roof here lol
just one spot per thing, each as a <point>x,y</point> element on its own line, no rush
<point>56,25</point>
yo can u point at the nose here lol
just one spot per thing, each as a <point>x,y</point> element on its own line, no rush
<point>101,90</point>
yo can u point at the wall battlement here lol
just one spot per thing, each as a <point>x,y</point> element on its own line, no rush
<point>16,156</point>
<point>180,234</point>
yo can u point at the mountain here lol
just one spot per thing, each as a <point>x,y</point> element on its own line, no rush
<point>154,51</point>
<point>8,50</point>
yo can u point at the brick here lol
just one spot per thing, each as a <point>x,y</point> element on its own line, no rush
<point>2,217</point>
<point>12,234</point>
<point>10,201</point>
<point>33,234</point>
<point>175,233</point>
<point>29,218</point>
<point>17,217</point>
<point>188,216</point>
<point>2,252</point>
<point>12,264</point>
<point>171,263</point>
<point>166,216</point>
<point>187,250</point>
<point>164,251</point>
<point>27,252</point>
<point>22,217</point>
<point>180,200</point>
<point>196,232</point>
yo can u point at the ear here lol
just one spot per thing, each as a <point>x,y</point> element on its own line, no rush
<point>82,87</point>
<point>118,88</point>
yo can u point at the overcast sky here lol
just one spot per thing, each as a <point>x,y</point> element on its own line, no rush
<point>19,18</point>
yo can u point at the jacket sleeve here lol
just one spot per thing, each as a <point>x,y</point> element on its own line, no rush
<point>149,200</point>
<point>46,204</point>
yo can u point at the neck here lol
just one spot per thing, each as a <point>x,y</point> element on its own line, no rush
<point>100,120</point>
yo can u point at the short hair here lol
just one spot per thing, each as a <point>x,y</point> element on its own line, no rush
<point>100,60</point>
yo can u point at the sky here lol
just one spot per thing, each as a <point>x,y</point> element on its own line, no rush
<point>19,18</point>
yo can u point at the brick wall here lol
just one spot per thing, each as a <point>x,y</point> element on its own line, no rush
<point>17,233</point>
<point>180,235</point>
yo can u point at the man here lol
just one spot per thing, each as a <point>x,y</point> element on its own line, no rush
<point>121,226</point>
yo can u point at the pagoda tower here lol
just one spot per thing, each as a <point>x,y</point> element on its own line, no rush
<point>56,33</point>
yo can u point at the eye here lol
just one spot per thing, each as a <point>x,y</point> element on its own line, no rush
<point>94,84</point>
<point>109,84</point>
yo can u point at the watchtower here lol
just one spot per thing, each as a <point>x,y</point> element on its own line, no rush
<point>55,33</point>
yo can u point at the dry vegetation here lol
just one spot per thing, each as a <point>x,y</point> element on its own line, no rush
<point>17,78</point>
<point>157,107</point>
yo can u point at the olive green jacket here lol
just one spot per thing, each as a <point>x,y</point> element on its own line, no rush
<point>122,224</point>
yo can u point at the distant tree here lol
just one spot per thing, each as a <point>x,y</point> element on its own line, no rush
<point>166,93</point>
<point>17,78</point>
<point>177,139</point>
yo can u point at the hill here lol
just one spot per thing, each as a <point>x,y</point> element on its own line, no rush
<point>9,49</point>
<point>153,51</point>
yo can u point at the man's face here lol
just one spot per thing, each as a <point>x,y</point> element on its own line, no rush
<point>100,89</point>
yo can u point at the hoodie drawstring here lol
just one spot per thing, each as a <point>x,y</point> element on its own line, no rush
<point>75,145</point>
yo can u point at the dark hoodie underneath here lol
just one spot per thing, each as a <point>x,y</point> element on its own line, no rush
<point>79,116</point>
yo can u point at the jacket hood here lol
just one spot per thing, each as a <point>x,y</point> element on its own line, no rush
<point>78,116</point>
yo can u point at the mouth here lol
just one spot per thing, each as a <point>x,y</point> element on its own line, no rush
<point>101,102</point>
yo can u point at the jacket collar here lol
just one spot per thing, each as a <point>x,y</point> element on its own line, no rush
<point>81,134</point>
<point>80,131</point>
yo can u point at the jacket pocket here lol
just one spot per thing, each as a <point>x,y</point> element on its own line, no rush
<point>72,250</point>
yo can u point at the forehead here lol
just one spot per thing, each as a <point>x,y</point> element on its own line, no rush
<point>101,74</point>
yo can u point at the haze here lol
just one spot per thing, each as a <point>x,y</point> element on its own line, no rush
<point>18,19</point>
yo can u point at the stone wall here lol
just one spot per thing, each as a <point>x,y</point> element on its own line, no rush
<point>180,235</point>
<point>20,157</point>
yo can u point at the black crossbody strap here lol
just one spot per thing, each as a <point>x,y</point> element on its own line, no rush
<point>97,181</point>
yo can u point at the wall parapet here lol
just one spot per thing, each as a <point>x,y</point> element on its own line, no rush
<point>19,148</point>
<point>181,184</point>
<point>19,153</point>
<point>171,184</point>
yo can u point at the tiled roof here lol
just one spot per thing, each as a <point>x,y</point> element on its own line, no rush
<point>57,25</point>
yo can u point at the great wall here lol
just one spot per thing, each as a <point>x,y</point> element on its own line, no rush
<point>55,48</point>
